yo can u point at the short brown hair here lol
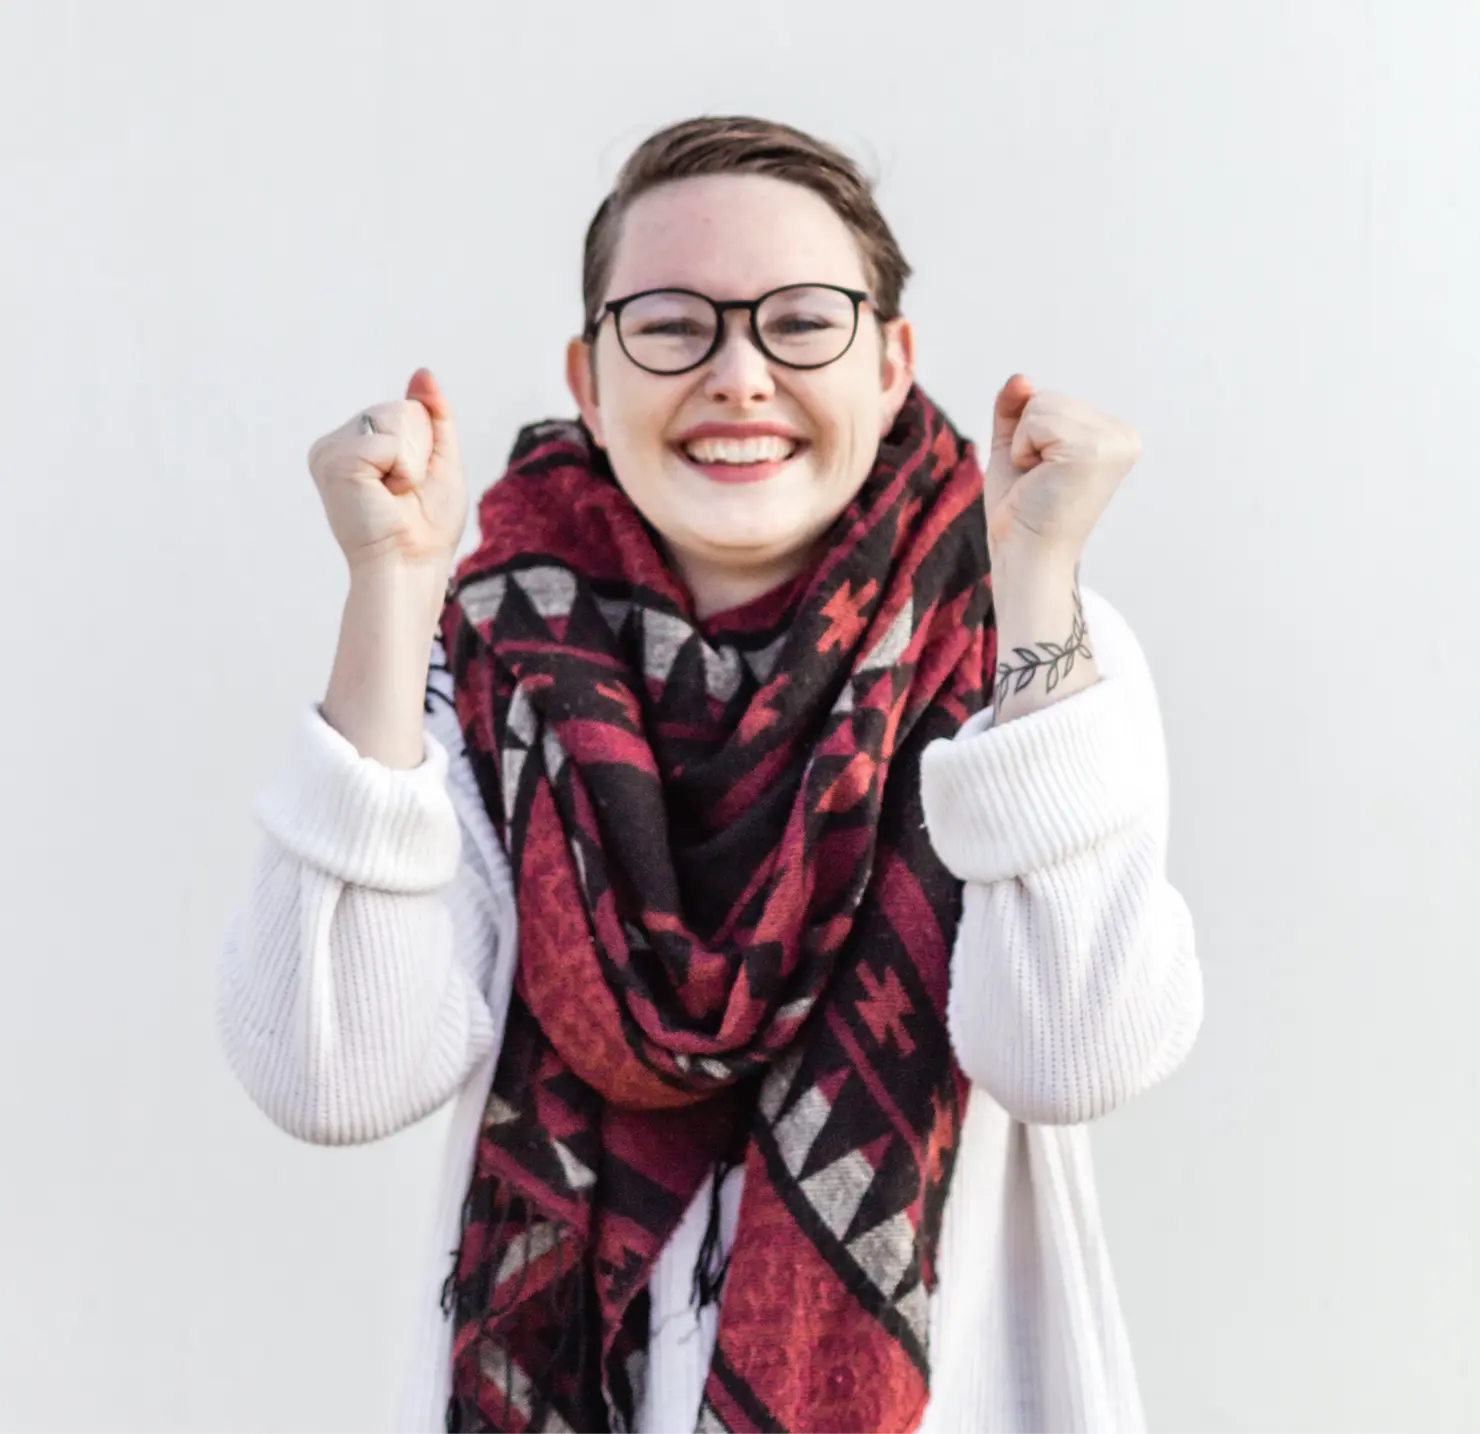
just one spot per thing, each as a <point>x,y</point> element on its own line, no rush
<point>740,144</point>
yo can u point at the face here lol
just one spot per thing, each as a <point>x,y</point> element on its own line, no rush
<point>742,510</point>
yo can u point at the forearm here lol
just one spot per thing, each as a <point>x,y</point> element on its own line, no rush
<point>1043,645</point>
<point>377,688</point>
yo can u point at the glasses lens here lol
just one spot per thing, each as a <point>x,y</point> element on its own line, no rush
<point>806,325</point>
<point>667,331</point>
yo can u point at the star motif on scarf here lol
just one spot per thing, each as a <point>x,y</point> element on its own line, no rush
<point>844,612</point>
<point>884,1008</point>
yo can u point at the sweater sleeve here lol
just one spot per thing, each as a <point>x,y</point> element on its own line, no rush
<point>1074,982</point>
<point>368,971</point>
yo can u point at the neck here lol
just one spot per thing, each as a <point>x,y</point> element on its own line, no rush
<point>721,589</point>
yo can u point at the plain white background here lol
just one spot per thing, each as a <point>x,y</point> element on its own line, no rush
<point>1249,229</point>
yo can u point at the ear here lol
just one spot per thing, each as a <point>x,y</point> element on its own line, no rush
<point>896,370</point>
<point>580,376</point>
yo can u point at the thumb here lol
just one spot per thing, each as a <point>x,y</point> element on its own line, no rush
<point>425,390</point>
<point>1010,404</point>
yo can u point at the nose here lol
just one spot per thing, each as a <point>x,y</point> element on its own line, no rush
<point>739,372</point>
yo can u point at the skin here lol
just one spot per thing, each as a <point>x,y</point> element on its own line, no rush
<point>737,236</point>
<point>397,501</point>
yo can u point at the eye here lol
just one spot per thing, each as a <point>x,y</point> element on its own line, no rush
<point>671,328</point>
<point>801,324</point>
<point>805,312</point>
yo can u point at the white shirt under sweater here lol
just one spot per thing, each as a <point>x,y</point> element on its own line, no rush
<point>365,982</point>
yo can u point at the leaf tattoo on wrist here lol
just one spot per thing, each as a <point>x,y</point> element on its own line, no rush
<point>1054,659</point>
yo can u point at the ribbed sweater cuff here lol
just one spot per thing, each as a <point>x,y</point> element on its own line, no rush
<point>1018,798</point>
<point>358,820</point>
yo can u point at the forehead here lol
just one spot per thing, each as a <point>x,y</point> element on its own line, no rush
<point>733,236</point>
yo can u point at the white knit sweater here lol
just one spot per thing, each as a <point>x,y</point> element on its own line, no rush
<point>365,983</point>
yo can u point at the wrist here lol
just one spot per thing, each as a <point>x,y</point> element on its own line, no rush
<point>1033,564</point>
<point>377,688</point>
<point>1044,652</point>
<point>402,591</point>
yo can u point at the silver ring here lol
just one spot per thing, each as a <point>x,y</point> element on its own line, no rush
<point>367,424</point>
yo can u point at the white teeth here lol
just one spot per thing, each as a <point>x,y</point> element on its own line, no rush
<point>768,448</point>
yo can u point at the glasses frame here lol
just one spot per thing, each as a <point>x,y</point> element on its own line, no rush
<point>722,307</point>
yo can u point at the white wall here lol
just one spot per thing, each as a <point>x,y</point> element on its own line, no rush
<point>1250,229</point>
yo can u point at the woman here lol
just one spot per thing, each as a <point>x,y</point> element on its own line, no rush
<point>775,968</point>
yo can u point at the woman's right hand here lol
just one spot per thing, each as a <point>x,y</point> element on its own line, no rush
<point>396,495</point>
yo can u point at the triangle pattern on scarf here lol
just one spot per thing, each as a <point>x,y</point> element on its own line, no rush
<point>498,1111</point>
<point>554,753</point>
<point>722,672</point>
<point>540,1239</point>
<point>510,1383</point>
<point>762,660</point>
<point>663,638</point>
<point>551,591</point>
<point>777,1084</point>
<point>514,759</point>
<point>481,600</point>
<point>884,1253</point>
<point>837,1190</point>
<point>710,1422</point>
<point>914,1305</point>
<point>577,1175</point>
<point>890,647</point>
<point>614,612</point>
<point>797,1129</point>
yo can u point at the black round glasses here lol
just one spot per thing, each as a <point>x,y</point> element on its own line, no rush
<point>670,331</point>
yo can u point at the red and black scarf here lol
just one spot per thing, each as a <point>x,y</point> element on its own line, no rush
<point>734,941</point>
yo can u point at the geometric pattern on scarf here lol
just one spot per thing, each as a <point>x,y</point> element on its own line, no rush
<point>734,941</point>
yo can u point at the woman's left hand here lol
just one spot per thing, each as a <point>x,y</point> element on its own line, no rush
<point>1054,466</point>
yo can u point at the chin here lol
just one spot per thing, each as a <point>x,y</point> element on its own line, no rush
<point>749,550</point>
<point>734,527</point>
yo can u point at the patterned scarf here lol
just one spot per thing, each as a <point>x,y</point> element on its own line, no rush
<point>734,942</point>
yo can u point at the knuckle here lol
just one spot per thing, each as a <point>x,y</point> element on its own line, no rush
<point>320,455</point>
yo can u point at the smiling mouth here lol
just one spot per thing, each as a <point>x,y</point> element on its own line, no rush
<point>766,450</point>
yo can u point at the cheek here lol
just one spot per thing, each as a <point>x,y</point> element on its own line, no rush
<point>848,441</point>
<point>636,415</point>
<point>846,415</point>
